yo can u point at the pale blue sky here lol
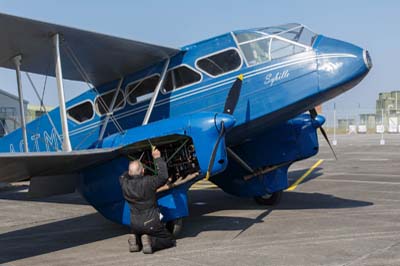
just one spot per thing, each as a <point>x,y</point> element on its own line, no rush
<point>374,25</point>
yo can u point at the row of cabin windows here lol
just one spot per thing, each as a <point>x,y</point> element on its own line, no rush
<point>214,65</point>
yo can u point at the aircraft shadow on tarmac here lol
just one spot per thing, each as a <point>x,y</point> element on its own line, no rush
<point>295,174</point>
<point>54,236</point>
<point>20,192</point>
<point>73,198</point>
<point>206,202</point>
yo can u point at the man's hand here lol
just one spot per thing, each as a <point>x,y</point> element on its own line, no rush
<point>156,153</point>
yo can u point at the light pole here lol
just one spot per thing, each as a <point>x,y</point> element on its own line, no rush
<point>382,142</point>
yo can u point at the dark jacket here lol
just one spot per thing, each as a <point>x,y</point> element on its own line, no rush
<point>140,191</point>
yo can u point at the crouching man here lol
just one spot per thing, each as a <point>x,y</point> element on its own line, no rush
<point>140,191</point>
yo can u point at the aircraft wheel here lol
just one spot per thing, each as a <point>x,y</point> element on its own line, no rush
<point>269,199</point>
<point>175,227</point>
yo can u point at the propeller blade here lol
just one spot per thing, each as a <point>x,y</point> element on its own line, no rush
<point>327,140</point>
<point>233,96</point>
<point>313,114</point>
<point>214,152</point>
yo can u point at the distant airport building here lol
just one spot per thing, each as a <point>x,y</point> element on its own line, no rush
<point>35,111</point>
<point>368,120</point>
<point>345,123</point>
<point>388,110</point>
<point>9,112</point>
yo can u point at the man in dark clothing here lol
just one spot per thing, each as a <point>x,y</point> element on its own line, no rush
<point>140,192</point>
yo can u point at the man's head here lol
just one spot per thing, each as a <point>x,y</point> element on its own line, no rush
<point>136,168</point>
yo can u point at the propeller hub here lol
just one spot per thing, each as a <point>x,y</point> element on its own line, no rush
<point>229,121</point>
<point>318,121</point>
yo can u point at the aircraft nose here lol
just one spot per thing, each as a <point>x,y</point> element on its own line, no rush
<point>341,65</point>
<point>367,59</point>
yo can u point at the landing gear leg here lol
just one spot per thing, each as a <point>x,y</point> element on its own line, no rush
<point>269,199</point>
<point>175,227</point>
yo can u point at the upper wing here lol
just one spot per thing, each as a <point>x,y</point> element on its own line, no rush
<point>19,166</point>
<point>104,58</point>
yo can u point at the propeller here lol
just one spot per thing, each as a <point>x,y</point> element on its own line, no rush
<point>233,95</point>
<point>230,106</point>
<point>313,114</point>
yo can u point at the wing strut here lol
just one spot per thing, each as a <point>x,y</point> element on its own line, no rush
<point>110,111</point>
<point>61,98</point>
<point>17,62</point>
<point>153,99</point>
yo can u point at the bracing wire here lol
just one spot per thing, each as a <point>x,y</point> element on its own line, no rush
<point>42,104</point>
<point>86,78</point>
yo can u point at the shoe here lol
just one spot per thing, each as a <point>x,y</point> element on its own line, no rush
<point>133,245</point>
<point>146,242</point>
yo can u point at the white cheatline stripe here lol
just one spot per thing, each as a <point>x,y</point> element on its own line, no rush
<point>213,86</point>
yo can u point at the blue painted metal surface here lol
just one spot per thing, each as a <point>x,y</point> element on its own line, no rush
<point>287,142</point>
<point>100,184</point>
<point>270,128</point>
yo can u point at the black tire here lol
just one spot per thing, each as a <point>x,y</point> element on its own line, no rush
<point>269,199</point>
<point>175,227</point>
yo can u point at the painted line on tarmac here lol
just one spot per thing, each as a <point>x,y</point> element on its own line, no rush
<point>356,159</point>
<point>203,188</point>
<point>360,181</point>
<point>298,181</point>
<point>361,174</point>
<point>374,159</point>
<point>323,159</point>
<point>202,184</point>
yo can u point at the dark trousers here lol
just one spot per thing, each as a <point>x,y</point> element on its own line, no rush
<point>148,222</point>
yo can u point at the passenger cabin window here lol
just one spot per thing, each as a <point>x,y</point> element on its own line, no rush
<point>142,90</point>
<point>220,63</point>
<point>180,77</point>
<point>81,112</point>
<point>104,101</point>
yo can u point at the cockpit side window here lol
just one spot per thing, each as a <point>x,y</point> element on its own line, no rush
<point>280,48</point>
<point>256,52</point>
<point>248,36</point>
<point>293,32</point>
<point>270,43</point>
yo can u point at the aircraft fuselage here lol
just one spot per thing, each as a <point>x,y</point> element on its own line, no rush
<point>273,90</point>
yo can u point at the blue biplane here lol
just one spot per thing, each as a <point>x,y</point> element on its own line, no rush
<point>236,109</point>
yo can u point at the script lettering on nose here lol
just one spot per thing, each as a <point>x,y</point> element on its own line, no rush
<point>271,79</point>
